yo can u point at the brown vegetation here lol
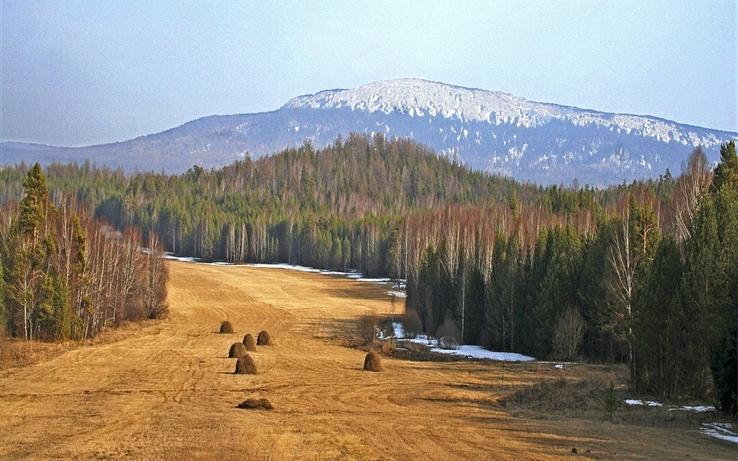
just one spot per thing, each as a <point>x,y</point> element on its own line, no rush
<point>448,329</point>
<point>412,324</point>
<point>226,327</point>
<point>373,362</point>
<point>168,393</point>
<point>368,324</point>
<point>249,343</point>
<point>245,365</point>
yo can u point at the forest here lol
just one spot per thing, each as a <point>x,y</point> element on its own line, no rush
<point>644,274</point>
<point>64,275</point>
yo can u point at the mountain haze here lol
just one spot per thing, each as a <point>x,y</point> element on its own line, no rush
<point>487,130</point>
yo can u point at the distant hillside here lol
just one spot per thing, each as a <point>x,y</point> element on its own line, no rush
<point>486,130</point>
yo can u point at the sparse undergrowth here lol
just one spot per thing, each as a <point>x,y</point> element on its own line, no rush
<point>593,394</point>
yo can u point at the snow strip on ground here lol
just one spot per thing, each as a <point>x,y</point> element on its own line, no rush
<point>400,283</point>
<point>695,409</point>
<point>722,431</point>
<point>650,403</point>
<point>475,352</point>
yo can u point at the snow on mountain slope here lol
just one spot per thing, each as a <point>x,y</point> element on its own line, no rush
<point>487,130</point>
<point>418,98</point>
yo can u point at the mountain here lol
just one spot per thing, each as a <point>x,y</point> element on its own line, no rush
<point>487,130</point>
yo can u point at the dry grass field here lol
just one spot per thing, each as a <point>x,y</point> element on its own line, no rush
<point>168,391</point>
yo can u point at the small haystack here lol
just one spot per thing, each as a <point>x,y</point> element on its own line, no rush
<point>263,339</point>
<point>226,327</point>
<point>255,404</point>
<point>249,342</point>
<point>373,362</point>
<point>245,365</point>
<point>236,351</point>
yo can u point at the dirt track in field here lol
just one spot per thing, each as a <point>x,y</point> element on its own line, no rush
<point>169,393</point>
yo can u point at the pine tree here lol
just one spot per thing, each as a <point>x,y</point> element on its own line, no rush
<point>727,170</point>
<point>658,322</point>
<point>725,358</point>
<point>703,286</point>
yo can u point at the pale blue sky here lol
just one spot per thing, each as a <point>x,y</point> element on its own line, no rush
<point>76,72</point>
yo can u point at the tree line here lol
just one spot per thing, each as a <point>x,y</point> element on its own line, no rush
<point>66,276</point>
<point>641,273</point>
<point>649,280</point>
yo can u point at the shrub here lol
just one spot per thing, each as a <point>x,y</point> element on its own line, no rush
<point>372,362</point>
<point>412,324</point>
<point>245,365</point>
<point>263,339</point>
<point>448,342</point>
<point>448,328</point>
<point>368,327</point>
<point>236,350</point>
<point>249,343</point>
<point>226,327</point>
<point>609,400</point>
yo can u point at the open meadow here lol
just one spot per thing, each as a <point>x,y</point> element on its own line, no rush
<point>168,391</point>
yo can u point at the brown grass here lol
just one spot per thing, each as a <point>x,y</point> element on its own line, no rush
<point>245,365</point>
<point>226,327</point>
<point>236,350</point>
<point>249,343</point>
<point>168,393</point>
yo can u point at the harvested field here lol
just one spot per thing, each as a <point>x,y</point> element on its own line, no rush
<point>170,392</point>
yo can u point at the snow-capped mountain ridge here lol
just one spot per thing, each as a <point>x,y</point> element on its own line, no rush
<point>418,98</point>
<point>486,130</point>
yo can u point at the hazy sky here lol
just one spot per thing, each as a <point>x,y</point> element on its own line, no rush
<point>79,72</point>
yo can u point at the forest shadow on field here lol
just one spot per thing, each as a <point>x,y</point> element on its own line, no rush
<point>331,328</point>
<point>362,290</point>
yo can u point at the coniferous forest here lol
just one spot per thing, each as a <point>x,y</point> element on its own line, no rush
<point>644,274</point>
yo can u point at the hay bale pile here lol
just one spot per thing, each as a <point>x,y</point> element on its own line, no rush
<point>373,362</point>
<point>255,404</point>
<point>263,339</point>
<point>249,343</point>
<point>236,351</point>
<point>245,365</point>
<point>226,327</point>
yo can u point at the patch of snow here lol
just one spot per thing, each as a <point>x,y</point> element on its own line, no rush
<point>478,352</point>
<point>397,294</point>
<point>465,350</point>
<point>694,409</point>
<point>722,431</point>
<point>187,259</point>
<point>649,403</point>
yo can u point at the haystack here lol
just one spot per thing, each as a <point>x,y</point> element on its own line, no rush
<point>263,339</point>
<point>226,327</point>
<point>245,365</point>
<point>256,404</point>
<point>236,350</point>
<point>249,342</point>
<point>373,362</point>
